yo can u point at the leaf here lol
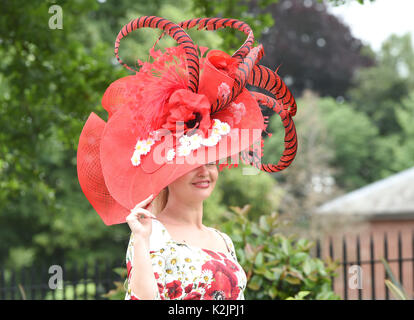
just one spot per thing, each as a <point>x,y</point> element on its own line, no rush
<point>269,275</point>
<point>272,292</point>
<point>120,271</point>
<point>391,275</point>
<point>303,294</point>
<point>258,261</point>
<point>255,283</point>
<point>277,273</point>
<point>307,267</point>
<point>264,224</point>
<point>395,290</point>
<point>285,246</point>
<point>248,251</point>
<point>292,280</point>
<point>299,257</point>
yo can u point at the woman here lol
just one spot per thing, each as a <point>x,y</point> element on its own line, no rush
<point>175,256</point>
<point>168,127</point>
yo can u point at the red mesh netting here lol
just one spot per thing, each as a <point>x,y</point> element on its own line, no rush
<point>90,174</point>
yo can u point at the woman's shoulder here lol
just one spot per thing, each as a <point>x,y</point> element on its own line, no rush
<point>226,239</point>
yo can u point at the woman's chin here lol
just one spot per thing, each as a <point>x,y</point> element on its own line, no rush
<point>202,192</point>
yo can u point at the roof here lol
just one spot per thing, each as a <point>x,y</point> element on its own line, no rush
<point>390,196</point>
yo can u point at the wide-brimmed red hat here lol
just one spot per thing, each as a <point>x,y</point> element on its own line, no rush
<point>187,107</point>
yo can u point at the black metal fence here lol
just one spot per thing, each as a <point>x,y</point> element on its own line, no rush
<point>83,282</point>
<point>94,281</point>
<point>368,254</point>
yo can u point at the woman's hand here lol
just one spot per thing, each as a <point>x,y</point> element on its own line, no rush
<point>139,220</point>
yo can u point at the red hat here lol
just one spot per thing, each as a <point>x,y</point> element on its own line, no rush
<point>182,110</point>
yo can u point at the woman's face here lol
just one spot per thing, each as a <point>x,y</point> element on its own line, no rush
<point>197,184</point>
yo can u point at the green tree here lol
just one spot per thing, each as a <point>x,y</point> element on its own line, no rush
<point>237,9</point>
<point>236,188</point>
<point>353,137</point>
<point>378,90</point>
<point>310,179</point>
<point>404,146</point>
<point>50,82</point>
<point>278,266</point>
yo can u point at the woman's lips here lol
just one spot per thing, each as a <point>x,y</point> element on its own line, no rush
<point>202,185</point>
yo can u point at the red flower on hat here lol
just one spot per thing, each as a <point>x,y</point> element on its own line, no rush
<point>174,289</point>
<point>224,62</point>
<point>187,110</point>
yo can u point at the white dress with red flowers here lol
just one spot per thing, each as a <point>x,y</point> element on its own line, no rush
<point>190,273</point>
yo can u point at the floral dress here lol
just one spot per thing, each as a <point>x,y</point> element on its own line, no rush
<point>187,272</point>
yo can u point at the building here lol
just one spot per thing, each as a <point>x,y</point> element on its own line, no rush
<point>376,221</point>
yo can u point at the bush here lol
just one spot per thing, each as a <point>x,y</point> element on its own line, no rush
<point>277,267</point>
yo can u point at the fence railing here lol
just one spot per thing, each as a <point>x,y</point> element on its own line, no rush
<point>366,251</point>
<point>84,281</point>
<point>87,281</point>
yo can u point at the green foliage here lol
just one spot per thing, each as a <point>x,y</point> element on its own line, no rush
<point>341,2</point>
<point>50,82</point>
<point>403,144</point>
<point>380,89</point>
<point>299,296</point>
<point>236,9</point>
<point>118,293</point>
<point>69,293</point>
<point>354,138</point>
<point>333,135</point>
<point>278,267</point>
<point>235,187</point>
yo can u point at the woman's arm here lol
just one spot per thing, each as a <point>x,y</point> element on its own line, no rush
<point>142,280</point>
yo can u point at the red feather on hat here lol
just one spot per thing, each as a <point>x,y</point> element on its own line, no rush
<point>157,82</point>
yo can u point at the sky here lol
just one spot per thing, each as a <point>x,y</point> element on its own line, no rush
<point>374,22</point>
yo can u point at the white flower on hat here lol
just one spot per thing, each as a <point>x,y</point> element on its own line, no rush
<point>145,148</point>
<point>149,142</point>
<point>183,150</point>
<point>195,141</point>
<point>170,154</point>
<point>136,158</point>
<point>142,147</point>
<point>223,128</point>
<point>185,140</point>
<point>211,140</point>
<point>186,143</point>
<point>216,123</point>
<point>220,127</point>
<point>139,146</point>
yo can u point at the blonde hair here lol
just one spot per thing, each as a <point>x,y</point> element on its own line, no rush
<point>160,201</point>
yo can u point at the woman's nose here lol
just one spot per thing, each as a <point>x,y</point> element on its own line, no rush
<point>203,170</point>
